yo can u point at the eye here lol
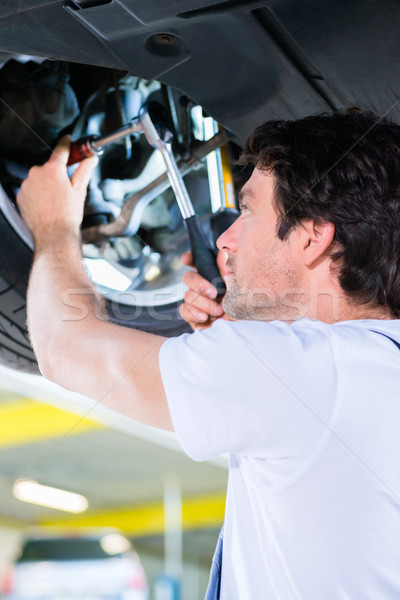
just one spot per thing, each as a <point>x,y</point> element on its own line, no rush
<point>244,209</point>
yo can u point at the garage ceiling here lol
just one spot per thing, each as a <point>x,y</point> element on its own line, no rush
<point>121,467</point>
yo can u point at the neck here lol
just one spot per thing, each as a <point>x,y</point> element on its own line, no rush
<point>333,305</point>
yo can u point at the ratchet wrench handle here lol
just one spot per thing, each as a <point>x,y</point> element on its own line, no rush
<point>81,149</point>
<point>204,256</point>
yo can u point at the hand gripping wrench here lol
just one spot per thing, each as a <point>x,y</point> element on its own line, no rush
<point>151,122</point>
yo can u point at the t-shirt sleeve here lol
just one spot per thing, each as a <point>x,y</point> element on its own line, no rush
<point>251,388</point>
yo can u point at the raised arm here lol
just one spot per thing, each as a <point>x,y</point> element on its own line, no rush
<point>74,344</point>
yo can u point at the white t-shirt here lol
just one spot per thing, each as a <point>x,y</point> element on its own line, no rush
<point>310,415</point>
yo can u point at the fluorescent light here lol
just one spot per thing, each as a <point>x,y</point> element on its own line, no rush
<point>28,490</point>
<point>210,129</point>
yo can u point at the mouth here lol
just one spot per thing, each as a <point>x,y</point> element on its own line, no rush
<point>228,268</point>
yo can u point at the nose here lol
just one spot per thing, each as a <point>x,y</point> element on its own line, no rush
<point>228,240</point>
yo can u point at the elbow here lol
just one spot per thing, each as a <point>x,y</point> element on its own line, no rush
<point>40,348</point>
<point>54,367</point>
<point>45,369</point>
<point>45,360</point>
<point>46,349</point>
<point>42,341</point>
<point>57,351</point>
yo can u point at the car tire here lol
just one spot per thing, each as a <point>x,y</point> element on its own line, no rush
<point>16,257</point>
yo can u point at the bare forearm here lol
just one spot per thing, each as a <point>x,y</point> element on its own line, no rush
<point>75,345</point>
<point>62,301</point>
<point>78,349</point>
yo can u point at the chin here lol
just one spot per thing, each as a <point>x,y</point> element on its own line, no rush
<point>233,308</point>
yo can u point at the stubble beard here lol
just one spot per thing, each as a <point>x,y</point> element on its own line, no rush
<point>249,304</point>
<point>234,302</point>
<point>243,304</point>
<point>257,298</point>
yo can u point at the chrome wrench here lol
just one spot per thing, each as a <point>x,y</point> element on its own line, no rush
<point>151,122</point>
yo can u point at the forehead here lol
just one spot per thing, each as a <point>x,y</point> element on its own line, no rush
<point>259,189</point>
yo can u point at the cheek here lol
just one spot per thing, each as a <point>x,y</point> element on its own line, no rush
<point>267,261</point>
<point>252,240</point>
<point>258,253</point>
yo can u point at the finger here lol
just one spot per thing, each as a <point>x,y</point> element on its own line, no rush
<point>61,151</point>
<point>187,258</point>
<point>211,308</point>
<point>200,285</point>
<point>192,315</point>
<point>81,177</point>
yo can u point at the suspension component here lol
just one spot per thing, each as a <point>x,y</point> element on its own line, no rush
<point>152,123</point>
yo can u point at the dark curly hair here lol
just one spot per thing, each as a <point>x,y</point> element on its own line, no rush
<point>344,169</point>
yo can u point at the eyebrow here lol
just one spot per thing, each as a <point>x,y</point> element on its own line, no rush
<point>244,194</point>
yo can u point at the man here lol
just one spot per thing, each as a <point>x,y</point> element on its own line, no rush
<point>303,391</point>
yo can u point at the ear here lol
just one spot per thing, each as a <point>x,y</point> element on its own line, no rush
<point>315,239</point>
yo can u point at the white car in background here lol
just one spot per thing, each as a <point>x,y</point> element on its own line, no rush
<point>81,568</point>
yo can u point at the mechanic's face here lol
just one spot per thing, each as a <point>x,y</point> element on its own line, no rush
<point>264,274</point>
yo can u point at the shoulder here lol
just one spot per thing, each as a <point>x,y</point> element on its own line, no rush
<point>276,342</point>
<point>247,386</point>
<point>299,335</point>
